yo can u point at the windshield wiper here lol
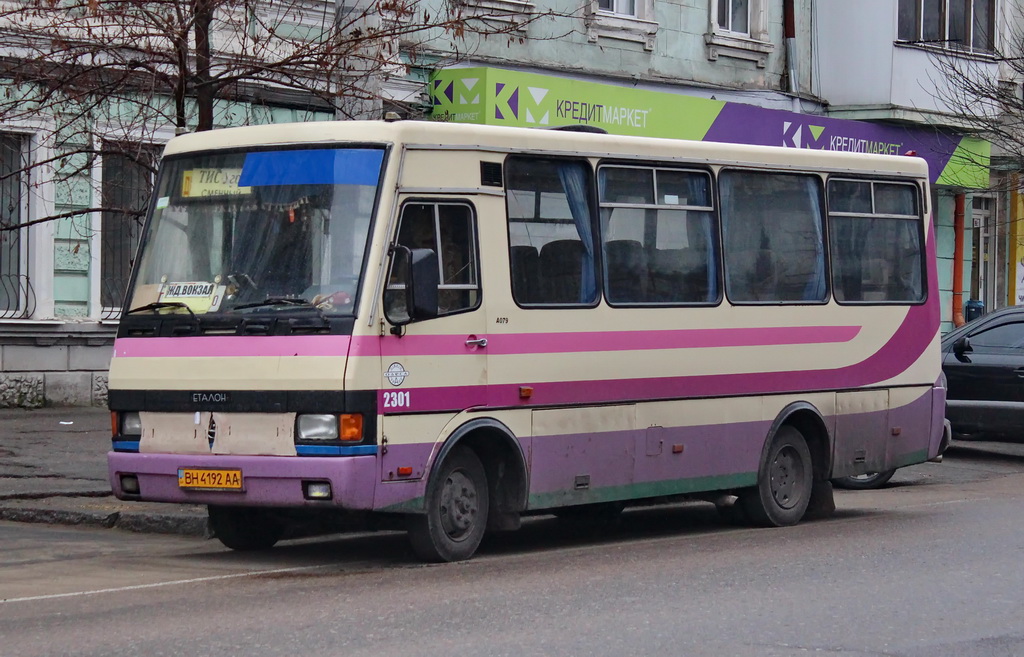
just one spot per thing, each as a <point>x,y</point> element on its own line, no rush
<point>157,305</point>
<point>276,301</point>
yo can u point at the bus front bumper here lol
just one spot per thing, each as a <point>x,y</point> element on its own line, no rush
<point>280,481</point>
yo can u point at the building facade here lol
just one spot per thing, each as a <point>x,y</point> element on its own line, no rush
<point>871,76</point>
<point>798,73</point>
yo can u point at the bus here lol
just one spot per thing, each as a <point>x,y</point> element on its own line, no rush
<point>452,327</point>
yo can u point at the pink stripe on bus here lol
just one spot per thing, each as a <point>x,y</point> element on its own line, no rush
<point>232,346</point>
<point>551,343</point>
<point>910,340</point>
<point>504,344</point>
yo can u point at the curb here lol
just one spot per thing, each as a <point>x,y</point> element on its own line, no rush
<point>56,511</point>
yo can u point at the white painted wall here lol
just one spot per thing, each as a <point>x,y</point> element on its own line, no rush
<point>854,50</point>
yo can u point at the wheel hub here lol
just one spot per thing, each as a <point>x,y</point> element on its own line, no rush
<point>459,505</point>
<point>786,474</point>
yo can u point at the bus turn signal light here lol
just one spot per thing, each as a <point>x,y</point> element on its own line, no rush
<point>351,426</point>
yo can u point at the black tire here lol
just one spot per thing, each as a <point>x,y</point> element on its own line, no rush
<point>784,482</point>
<point>457,504</point>
<point>245,529</point>
<point>864,481</point>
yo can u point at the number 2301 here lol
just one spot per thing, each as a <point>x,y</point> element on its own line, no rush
<point>396,399</point>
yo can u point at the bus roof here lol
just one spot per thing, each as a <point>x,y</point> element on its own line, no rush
<point>511,139</point>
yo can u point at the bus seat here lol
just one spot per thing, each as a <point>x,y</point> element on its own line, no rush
<point>679,275</point>
<point>525,265</point>
<point>561,263</point>
<point>627,271</point>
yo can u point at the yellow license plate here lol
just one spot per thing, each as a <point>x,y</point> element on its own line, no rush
<point>210,479</point>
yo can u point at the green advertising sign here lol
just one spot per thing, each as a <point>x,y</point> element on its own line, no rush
<point>499,97</point>
<point>494,96</point>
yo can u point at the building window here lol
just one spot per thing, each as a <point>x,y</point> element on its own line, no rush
<point>16,296</point>
<point>959,24</point>
<point>622,7</point>
<point>739,29</point>
<point>127,183</point>
<point>622,20</point>
<point>734,16</point>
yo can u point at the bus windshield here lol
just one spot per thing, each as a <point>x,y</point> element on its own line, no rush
<point>264,230</point>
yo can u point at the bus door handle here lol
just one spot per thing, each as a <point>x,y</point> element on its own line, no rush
<point>474,341</point>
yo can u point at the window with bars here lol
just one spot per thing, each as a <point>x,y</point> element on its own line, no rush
<point>958,24</point>
<point>127,183</point>
<point>16,297</point>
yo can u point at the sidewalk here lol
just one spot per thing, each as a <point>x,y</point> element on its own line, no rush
<point>53,469</point>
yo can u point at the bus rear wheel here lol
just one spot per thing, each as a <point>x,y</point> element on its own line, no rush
<point>865,481</point>
<point>457,504</point>
<point>245,529</point>
<point>784,482</point>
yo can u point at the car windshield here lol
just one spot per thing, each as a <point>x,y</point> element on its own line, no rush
<point>263,230</point>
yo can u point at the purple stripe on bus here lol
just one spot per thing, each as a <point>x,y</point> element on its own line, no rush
<point>710,450</point>
<point>902,350</point>
<point>908,343</point>
<point>232,346</point>
<point>706,451</point>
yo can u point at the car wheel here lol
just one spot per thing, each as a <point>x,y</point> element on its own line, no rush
<point>864,481</point>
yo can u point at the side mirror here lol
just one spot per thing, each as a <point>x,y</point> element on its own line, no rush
<point>417,298</point>
<point>421,286</point>
<point>962,346</point>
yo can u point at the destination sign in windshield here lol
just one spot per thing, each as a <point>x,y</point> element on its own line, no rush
<point>202,183</point>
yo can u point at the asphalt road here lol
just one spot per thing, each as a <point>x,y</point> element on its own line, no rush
<point>930,566</point>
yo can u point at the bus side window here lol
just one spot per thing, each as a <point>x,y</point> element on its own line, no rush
<point>552,257</point>
<point>448,229</point>
<point>876,243</point>
<point>658,235</point>
<point>773,237</point>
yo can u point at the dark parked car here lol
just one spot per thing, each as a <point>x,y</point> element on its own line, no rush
<point>984,365</point>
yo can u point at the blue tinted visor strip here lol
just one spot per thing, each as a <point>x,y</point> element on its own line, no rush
<point>335,450</point>
<point>301,450</point>
<point>340,166</point>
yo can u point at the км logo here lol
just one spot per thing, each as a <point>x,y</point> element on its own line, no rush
<point>802,135</point>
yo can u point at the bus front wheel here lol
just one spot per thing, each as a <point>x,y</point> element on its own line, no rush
<point>244,529</point>
<point>784,482</point>
<point>456,517</point>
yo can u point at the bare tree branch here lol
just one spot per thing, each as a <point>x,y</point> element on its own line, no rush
<point>111,73</point>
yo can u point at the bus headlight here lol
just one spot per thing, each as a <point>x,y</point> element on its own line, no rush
<point>131,424</point>
<point>316,427</point>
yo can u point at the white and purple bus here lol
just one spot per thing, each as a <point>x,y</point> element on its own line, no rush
<point>455,326</point>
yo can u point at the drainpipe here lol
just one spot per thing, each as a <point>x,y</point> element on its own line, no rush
<point>958,259</point>
<point>789,30</point>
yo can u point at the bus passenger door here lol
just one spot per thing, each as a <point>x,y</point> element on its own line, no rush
<point>432,368</point>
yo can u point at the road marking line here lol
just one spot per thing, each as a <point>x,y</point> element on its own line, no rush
<point>176,582</point>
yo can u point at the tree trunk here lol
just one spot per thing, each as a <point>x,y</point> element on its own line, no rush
<point>204,84</point>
